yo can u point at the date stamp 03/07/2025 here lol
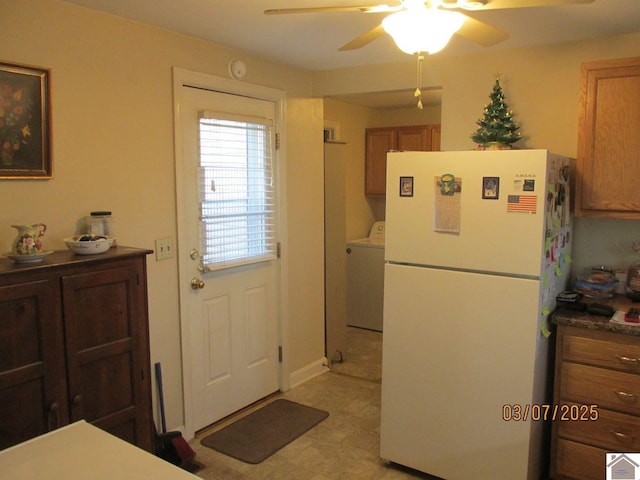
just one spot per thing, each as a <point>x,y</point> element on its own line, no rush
<point>544,412</point>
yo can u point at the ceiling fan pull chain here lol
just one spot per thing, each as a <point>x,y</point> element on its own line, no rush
<point>418,92</point>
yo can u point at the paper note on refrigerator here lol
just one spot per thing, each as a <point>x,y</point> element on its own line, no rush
<point>447,215</point>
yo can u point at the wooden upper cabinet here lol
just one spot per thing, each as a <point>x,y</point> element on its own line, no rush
<point>411,139</point>
<point>380,141</point>
<point>435,138</point>
<point>608,140</point>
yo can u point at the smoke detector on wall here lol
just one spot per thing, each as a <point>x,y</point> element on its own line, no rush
<point>237,68</point>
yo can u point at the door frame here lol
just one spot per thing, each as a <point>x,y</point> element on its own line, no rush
<point>183,77</point>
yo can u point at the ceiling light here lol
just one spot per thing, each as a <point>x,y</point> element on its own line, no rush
<point>471,5</point>
<point>422,29</point>
<point>465,4</point>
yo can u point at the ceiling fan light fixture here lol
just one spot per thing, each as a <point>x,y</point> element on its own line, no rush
<point>464,4</point>
<point>422,30</point>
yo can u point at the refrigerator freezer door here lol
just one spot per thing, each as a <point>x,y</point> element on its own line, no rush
<point>494,235</point>
<point>450,366</point>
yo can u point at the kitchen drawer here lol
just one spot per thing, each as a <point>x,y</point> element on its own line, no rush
<point>608,351</point>
<point>574,460</point>
<point>614,431</point>
<point>606,388</point>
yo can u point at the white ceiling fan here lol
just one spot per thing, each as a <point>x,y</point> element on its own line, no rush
<point>419,26</point>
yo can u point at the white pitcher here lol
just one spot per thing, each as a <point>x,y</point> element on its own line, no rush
<point>29,239</point>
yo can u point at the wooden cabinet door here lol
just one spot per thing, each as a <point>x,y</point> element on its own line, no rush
<point>608,142</point>
<point>107,350</point>
<point>33,397</point>
<point>435,138</point>
<point>379,141</point>
<point>414,139</point>
<point>419,138</point>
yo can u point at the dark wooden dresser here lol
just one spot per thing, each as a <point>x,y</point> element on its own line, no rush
<point>74,344</point>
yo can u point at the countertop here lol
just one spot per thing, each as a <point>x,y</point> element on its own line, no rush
<point>59,257</point>
<point>573,318</point>
<point>81,451</point>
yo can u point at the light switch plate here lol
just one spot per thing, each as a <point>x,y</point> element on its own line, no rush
<point>164,248</point>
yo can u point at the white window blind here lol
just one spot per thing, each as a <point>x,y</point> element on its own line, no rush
<point>237,194</point>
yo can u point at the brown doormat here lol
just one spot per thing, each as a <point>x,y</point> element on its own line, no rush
<point>262,433</point>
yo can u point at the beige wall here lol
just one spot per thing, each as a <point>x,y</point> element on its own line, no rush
<point>113,149</point>
<point>361,211</point>
<point>353,120</point>
<point>429,115</point>
<point>305,241</point>
<point>541,86</point>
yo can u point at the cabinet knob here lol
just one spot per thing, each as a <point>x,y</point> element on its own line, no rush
<point>76,409</point>
<point>54,416</point>
<point>348,250</point>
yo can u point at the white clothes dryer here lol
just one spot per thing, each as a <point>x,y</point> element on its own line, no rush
<point>365,279</point>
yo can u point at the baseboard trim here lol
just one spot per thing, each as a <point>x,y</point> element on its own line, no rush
<point>308,372</point>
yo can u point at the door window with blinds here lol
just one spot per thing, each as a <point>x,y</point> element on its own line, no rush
<point>237,194</point>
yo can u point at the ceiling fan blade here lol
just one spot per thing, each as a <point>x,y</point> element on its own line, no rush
<point>367,37</point>
<point>482,33</point>
<point>355,8</point>
<point>504,4</point>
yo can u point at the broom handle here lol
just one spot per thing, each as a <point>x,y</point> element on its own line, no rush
<point>160,395</point>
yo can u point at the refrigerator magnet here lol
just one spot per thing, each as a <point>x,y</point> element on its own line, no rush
<point>490,188</point>
<point>447,184</point>
<point>406,186</point>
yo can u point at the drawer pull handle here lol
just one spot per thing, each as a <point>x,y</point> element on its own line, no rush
<point>625,395</point>
<point>622,436</point>
<point>624,359</point>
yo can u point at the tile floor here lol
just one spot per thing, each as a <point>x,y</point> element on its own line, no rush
<point>363,358</point>
<point>344,446</point>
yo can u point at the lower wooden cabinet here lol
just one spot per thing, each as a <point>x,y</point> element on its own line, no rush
<point>579,461</point>
<point>74,345</point>
<point>33,393</point>
<point>597,381</point>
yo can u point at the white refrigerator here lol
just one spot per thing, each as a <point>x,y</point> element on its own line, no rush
<point>478,244</point>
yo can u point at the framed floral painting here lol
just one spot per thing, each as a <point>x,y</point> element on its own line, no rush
<point>25,131</point>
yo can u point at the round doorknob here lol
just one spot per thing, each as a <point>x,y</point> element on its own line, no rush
<point>196,284</point>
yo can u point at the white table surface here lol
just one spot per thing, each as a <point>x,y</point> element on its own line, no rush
<point>81,451</point>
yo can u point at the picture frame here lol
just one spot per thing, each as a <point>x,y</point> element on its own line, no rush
<point>406,186</point>
<point>25,123</point>
<point>490,188</point>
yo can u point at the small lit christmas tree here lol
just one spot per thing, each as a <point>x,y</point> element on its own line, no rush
<point>497,125</point>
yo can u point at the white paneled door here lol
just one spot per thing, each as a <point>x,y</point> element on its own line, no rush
<point>229,268</point>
